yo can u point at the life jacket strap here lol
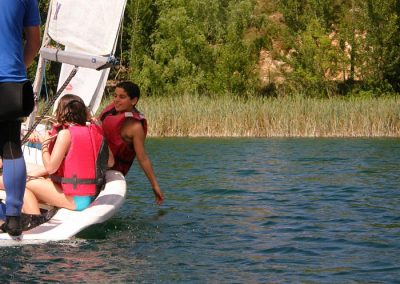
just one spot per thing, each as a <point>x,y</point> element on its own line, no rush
<point>74,180</point>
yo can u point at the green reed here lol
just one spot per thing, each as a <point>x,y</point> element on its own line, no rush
<point>230,116</point>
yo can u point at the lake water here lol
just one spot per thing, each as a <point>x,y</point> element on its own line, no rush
<point>240,211</point>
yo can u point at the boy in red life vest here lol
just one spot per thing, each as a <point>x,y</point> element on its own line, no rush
<point>70,154</point>
<point>125,130</point>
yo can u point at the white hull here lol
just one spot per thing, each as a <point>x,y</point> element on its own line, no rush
<point>67,223</point>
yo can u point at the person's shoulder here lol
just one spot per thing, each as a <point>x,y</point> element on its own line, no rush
<point>130,122</point>
<point>63,137</point>
<point>64,133</point>
<point>132,127</point>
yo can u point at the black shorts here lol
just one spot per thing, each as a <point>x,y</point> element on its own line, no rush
<point>16,100</point>
<point>10,139</point>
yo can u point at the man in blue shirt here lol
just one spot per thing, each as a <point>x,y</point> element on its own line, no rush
<point>19,44</point>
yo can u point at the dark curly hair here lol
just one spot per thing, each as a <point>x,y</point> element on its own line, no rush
<point>130,88</point>
<point>71,109</point>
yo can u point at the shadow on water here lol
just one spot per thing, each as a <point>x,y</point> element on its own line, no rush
<point>117,225</point>
<point>102,231</point>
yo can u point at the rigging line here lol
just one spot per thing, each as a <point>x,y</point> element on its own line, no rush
<point>51,103</point>
<point>121,50</point>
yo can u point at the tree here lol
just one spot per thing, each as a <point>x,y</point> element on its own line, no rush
<point>382,38</point>
<point>198,46</point>
<point>316,62</point>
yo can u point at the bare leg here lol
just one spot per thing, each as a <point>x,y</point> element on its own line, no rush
<point>45,191</point>
<point>31,204</point>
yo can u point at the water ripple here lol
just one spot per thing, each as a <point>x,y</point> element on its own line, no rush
<point>241,211</point>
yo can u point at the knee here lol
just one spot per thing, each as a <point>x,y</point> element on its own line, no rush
<point>30,205</point>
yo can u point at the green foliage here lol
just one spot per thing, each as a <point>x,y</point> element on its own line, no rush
<point>139,24</point>
<point>368,37</point>
<point>213,47</point>
<point>315,61</point>
<point>190,51</point>
<point>383,36</point>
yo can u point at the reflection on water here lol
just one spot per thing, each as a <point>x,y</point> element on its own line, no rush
<point>241,211</point>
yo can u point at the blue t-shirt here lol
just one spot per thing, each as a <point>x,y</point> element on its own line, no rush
<point>15,15</point>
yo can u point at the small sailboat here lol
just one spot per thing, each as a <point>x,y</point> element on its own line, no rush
<point>82,37</point>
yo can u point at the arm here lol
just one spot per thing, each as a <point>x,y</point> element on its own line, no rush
<point>135,132</point>
<point>52,162</point>
<point>34,170</point>
<point>32,44</point>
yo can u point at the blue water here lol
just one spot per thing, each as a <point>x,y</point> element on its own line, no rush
<point>240,211</point>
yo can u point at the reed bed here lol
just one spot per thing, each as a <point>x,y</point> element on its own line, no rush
<point>271,117</point>
<point>228,116</point>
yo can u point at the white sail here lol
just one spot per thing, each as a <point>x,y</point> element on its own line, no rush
<point>88,27</point>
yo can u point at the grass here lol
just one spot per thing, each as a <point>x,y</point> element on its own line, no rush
<point>228,116</point>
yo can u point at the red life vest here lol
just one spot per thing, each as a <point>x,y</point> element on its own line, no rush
<point>123,152</point>
<point>82,172</point>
